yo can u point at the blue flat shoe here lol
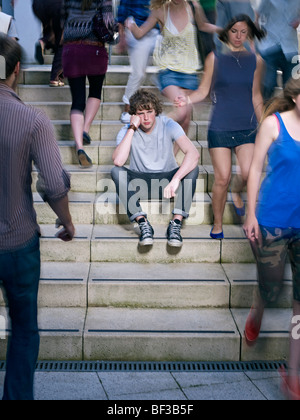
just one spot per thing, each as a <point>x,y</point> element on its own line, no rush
<point>239,211</point>
<point>216,235</point>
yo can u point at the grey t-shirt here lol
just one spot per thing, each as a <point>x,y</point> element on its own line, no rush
<point>154,152</point>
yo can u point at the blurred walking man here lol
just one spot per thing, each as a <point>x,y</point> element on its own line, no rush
<point>26,137</point>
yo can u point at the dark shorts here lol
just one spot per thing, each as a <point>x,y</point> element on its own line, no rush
<point>230,139</point>
<point>84,60</point>
<point>173,78</point>
<point>271,257</point>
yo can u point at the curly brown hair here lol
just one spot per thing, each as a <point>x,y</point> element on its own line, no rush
<point>142,100</point>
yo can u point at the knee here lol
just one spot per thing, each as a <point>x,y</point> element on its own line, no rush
<point>222,181</point>
<point>115,173</point>
<point>182,116</point>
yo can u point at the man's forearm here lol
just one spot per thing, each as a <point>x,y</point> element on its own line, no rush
<point>61,209</point>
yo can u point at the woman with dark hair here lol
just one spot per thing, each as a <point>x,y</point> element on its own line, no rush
<point>84,56</point>
<point>234,79</point>
<point>273,227</point>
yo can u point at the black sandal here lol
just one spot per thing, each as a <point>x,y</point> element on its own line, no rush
<point>84,160</point>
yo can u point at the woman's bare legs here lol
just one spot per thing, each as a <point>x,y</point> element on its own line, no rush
<point>244,156</point>
<point>221,160</point>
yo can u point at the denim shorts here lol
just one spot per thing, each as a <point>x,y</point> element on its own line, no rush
<point>173,78</point>
<point>230,139</point>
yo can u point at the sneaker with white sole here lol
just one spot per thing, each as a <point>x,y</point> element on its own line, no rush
<point>147,233</point>
<point>174,234</point>
<point>125,118</point>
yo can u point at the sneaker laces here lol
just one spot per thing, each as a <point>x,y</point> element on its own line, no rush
<point>146,229</point>
<point>175,230</point>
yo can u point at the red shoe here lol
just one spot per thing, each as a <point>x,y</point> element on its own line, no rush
<point>252,330</point>
<point>290,394</point>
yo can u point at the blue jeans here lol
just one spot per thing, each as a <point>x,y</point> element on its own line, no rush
<point>276,60</point>
<point>135,186</point>
<point>20,274</point>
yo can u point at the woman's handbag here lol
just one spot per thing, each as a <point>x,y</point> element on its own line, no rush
<point>105,27</point>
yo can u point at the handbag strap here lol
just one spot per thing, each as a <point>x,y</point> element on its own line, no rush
<point>98,3</point>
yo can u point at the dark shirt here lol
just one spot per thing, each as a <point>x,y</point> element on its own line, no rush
<point>232,92</point>
<point>26,137</point>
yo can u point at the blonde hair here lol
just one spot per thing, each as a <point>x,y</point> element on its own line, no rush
<point>157,4</point>
<point>284,102</point>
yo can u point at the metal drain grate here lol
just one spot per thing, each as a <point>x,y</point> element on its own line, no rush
<point>256,366</point>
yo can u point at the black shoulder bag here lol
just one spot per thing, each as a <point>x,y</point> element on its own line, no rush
<point>105,26</point>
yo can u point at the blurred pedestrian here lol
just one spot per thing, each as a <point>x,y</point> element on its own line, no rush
<point>8,26</point>
<point>49,13</point>
<point>279,49</point>
<point>26,138</point>
<point>176,55</point>
<point>84,56</point>
<point>234,80</point>
<point>207,40</point>
<point>139,50</point>
<point>273,226</point>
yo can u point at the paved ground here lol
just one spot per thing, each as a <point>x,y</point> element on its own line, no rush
<point>156,386</point>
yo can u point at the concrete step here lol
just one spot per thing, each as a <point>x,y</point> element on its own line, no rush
<point>157,334</point>
<point>116,75</point>
<point>82,207</point>
<point>61,285</point>
<point>105,208</point>
<point>134,334</point>
<point>98,178</point>
<point>115,60</point>
<point>178,286</point>
<point>60,110</point>
<point>273,343</point>
<point>119,243</point>
<point>108,130</point>
<point>158,286</point>
<point>244,286</point>
<point>61,331</point>
<point>45,93</point>
<point>101,154</point>
<point>54,250</point>
<point>133,285</point>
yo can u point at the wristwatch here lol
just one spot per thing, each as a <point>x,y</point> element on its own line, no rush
<point>132,127</point>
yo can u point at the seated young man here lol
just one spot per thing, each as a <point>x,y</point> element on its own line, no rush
<point>149,142</point>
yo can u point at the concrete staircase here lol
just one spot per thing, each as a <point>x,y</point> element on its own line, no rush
<point>102,298</point>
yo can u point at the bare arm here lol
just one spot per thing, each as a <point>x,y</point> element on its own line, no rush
<point>151,22</point>
<point>204,88</point>
<point>266,136</point>
<point>202,21</point>
<point>122,152</point>
<point>61,209</point>
<point>189,163</point>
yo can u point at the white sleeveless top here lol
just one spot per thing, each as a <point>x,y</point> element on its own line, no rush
<point>177,51</point>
